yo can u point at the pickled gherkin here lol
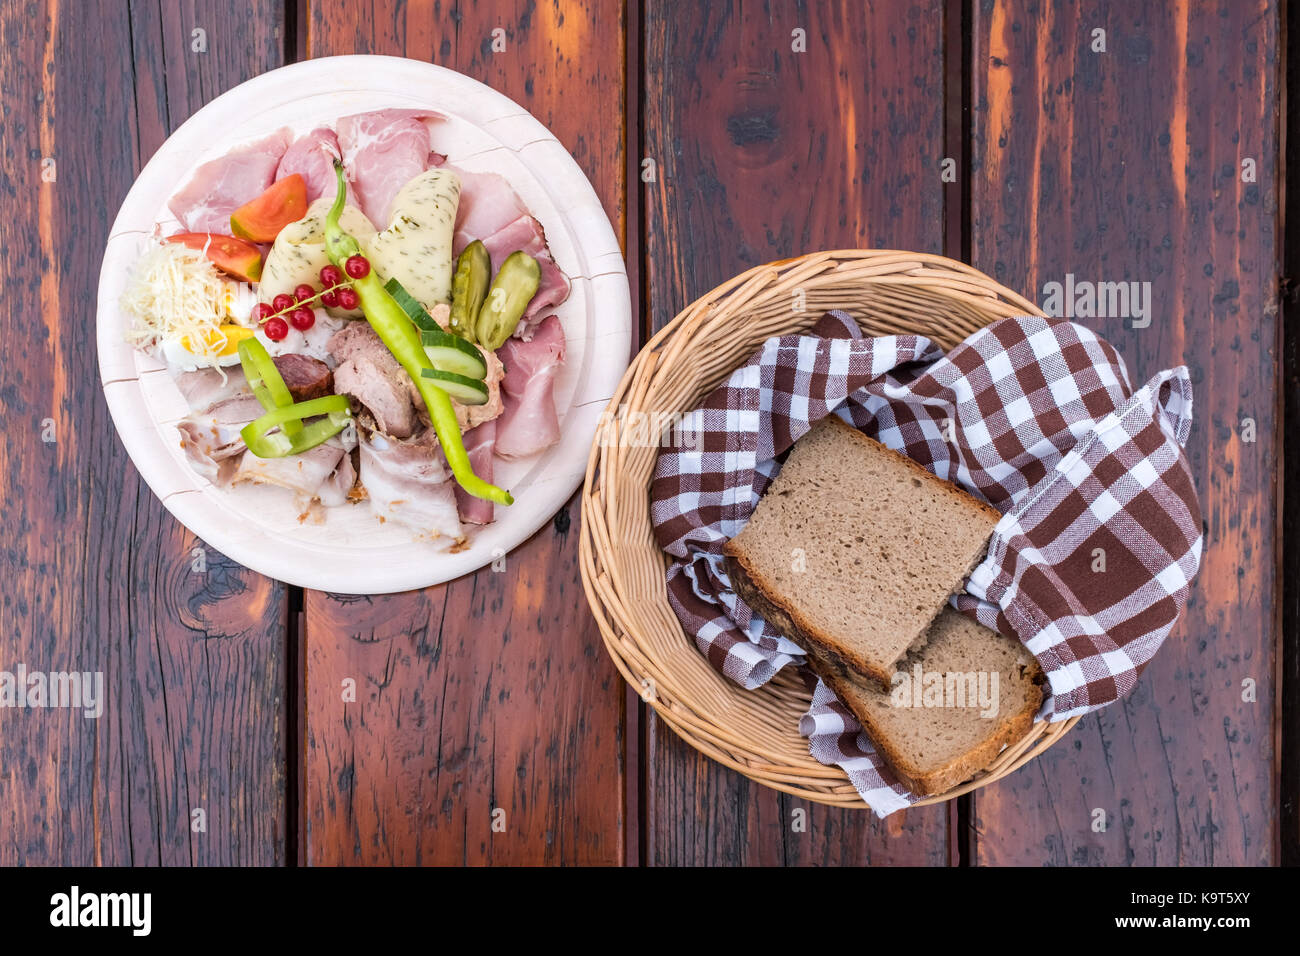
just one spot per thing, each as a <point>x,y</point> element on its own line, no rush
<point>513,288</point>
<point>468,287</point>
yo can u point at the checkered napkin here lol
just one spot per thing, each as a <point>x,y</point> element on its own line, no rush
<point>1101,528</point>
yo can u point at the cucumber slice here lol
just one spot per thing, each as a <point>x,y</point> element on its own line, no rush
<point>451,353</point>
<point>423,321</point>
<point>465,390</point>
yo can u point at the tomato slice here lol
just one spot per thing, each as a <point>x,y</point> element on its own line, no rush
<point>241,259</point>
<point>262,219</point>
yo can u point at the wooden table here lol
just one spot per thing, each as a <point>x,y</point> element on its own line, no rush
<point>771,130</point>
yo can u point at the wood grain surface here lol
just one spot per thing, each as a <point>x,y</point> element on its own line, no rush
<point>98,576</point>
<point>1126,165</point>
<point>490,698</point>
<point>762,153</point>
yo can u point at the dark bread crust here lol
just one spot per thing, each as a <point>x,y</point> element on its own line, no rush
<point>841,677</point>
<point>921,781</point>
<point>796,625</point>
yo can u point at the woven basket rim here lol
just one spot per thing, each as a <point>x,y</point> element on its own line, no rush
<point>733,726</point>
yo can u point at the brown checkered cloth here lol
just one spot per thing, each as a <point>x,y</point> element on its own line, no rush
<point>1035,416</point>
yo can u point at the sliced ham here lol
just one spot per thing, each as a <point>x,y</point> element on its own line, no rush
<point>384,150</point>
<point>487,204</point>
<point>528,422</point>
<point>492,212</point>
<point>312,157</point>
<point>480,443</point>
<point>221,186</point>
<point>525,234</point>
<point>408,482</point>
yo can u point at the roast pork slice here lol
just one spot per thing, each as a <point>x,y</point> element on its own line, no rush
<point>380,391</point>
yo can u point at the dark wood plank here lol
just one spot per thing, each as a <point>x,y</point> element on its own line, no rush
<point>1126,166</point>
<point>98,576</point>
<point>1290,732</point>
<point>491,692</point>
<point>764,153</point>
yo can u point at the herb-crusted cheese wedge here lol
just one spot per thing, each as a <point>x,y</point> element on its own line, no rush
<point>415,249</point>
<point>299,251</point>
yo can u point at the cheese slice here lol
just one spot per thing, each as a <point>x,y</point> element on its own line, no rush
<point>415,249</point>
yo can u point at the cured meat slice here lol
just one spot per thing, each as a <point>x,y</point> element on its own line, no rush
<point>221,186</point>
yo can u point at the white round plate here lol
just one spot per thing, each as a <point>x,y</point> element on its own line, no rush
<point>351,551</point>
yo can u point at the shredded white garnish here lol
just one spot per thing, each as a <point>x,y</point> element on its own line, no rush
<point>176,294</point>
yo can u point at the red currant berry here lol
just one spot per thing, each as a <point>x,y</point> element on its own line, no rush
<point>358,267</point>
<point>302,318</point>
<point>302,292</point>
<point>348,298</point>
<point>282,302</point>
<point>276,329</point>
<point>262,311</point>
<point>329,300</point>
<point>331,276</point>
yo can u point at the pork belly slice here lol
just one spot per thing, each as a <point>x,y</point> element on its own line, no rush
<point>221,186</point>
<point>480,442</point>
<point>205,387</point>
<point>305,475</point>
<point>384,150</point>
<point>211,438</point>
<point>312,157</point>
<point>409,482</point>
<point>304,376</point>
<point>529,422</point>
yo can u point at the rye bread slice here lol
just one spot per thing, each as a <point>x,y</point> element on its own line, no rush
<point>921,728</point>
<point>859,547</point>
<point>932,749</point>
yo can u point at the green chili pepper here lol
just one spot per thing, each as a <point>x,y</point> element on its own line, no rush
<point>257,435</point>
<point>468,287</point>
<point>402,338</point>
<point>265,381</point>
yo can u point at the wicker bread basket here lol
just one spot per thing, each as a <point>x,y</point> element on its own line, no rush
<point>623,570</point>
